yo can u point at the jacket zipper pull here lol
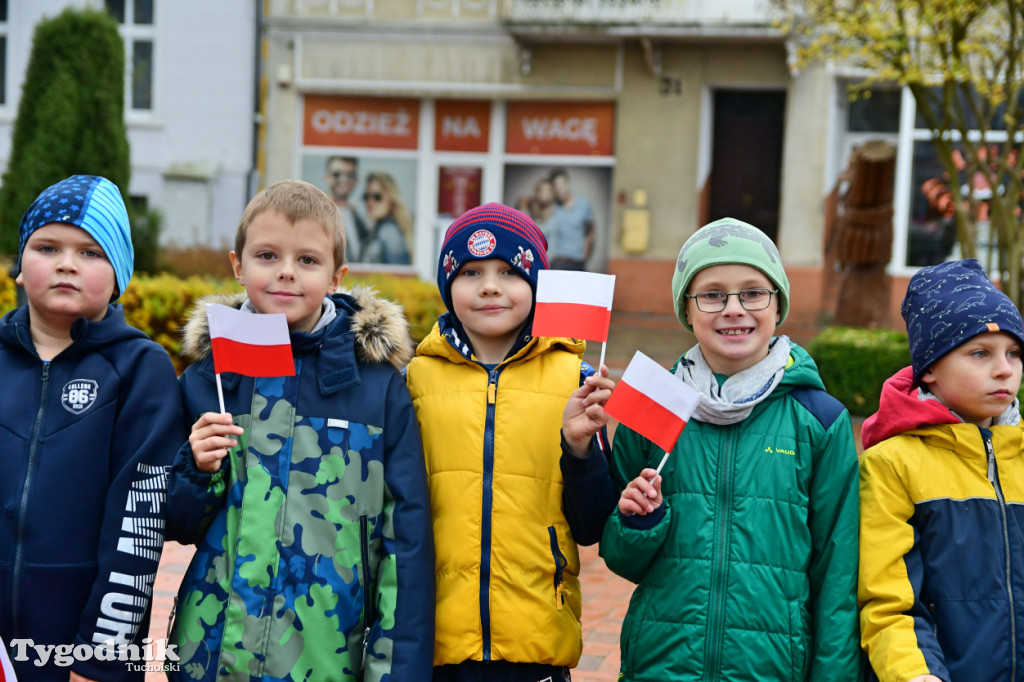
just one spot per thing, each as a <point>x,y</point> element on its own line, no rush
<point>366,642</point>
<point>492,388</point>
<point>559,597</point>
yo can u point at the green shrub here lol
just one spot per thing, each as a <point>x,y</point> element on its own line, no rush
<point>854,363</point>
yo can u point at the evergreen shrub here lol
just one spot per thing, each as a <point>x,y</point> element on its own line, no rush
<point>854,363</point>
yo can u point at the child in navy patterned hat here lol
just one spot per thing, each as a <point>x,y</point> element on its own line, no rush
<point>90,420</point>
<point>509,503</point>
<point>942,489</point>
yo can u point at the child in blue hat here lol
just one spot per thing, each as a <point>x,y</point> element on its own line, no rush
<point>89,420</point>
<point>942,487</point>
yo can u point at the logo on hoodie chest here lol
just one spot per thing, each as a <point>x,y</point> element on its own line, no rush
<point>78,395</point>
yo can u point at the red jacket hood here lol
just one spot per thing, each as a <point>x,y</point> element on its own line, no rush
<point>903,407</point>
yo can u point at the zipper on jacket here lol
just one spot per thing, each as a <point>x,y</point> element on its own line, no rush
<point>485,515</point>
<point>560,563</point>
<point>720,553</point>
<point>368,616</point>
<point>935,623</point>
<point>25,488</point>
<point>993,477</point>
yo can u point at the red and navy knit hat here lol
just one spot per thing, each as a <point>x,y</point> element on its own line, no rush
<point>491,231</point>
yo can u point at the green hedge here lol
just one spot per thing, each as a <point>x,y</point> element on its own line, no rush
<point>854,363</point>
<point>159,304</point>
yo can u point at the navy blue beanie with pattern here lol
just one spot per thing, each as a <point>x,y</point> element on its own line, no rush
<point>94,204</point>
<point>949,304</point>
<point>491,231</point>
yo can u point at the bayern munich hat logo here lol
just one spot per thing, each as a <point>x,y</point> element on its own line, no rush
<point>481,243</point>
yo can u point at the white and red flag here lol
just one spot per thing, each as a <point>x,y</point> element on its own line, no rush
<point>6,669</point>
<point>652,401</point>
<point>573,304</point>
<point>253,344</point>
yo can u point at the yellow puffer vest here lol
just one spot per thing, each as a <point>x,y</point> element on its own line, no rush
<point>507,565</point>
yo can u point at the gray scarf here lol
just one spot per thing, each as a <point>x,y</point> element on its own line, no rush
<point>734,400</point>
<point>327,313</point>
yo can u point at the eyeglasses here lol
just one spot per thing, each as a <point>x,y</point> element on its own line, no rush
<point>376,196</point>
<point>716,301</point>
<point>351,175</point>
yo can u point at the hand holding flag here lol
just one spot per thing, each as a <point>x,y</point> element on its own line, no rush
<point>584,414</point>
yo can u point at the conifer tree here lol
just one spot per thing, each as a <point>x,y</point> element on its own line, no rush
<point>71,113</point>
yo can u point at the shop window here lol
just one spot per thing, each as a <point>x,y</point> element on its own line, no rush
<point>876,111</point>
<point>135,21</point>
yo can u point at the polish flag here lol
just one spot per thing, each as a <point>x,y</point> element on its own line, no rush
<point>6,668</point>
<point>652,401</point>
<point>253,344</point>
<point>573,304</point>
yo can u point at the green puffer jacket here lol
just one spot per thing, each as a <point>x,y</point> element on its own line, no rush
<point>750,573</point>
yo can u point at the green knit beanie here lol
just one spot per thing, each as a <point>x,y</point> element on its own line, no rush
<point>725,242</point>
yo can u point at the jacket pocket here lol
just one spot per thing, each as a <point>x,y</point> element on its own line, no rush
<point>799,640</point>
<point>560,563</point>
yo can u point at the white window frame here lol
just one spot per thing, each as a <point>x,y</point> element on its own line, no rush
<point>130,33</point>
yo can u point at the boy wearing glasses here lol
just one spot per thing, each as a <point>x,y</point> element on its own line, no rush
<point>744,549</point>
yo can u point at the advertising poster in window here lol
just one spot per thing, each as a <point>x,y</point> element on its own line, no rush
<point>377,198</point>
<point>570,204</point>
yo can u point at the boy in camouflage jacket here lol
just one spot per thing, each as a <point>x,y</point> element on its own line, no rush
<point>308,499</point>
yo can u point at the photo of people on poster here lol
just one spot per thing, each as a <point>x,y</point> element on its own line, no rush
<point>377,199</point>
<point>570,204</point>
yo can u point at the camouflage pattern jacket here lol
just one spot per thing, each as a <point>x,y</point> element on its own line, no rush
<point>314,555</point>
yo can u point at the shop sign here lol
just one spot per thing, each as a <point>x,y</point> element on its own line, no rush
<point>571,128</point>
<point>461,125</point>
<point>374,122</point>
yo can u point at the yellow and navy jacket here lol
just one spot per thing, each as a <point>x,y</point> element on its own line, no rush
<point>942,547</point>
<point>508,507</point>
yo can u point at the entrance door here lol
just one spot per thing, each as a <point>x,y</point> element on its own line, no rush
<point>746,170</point>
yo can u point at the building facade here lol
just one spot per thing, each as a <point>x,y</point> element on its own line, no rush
<point>660,115</point>
<point>190,102</point>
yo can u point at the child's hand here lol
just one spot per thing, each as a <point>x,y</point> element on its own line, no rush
<point>925,678</point>
<point>584,414</point>
<point>211,439</point>
<point>75,677</point>
<point>642,495</point>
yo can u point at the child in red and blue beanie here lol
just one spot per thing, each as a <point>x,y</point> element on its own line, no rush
<point>510,497</point>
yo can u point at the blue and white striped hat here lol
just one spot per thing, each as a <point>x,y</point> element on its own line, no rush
<point>93,204</point>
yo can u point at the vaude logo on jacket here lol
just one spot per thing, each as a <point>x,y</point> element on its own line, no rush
<point>154,654</point>
<point>79,395</point>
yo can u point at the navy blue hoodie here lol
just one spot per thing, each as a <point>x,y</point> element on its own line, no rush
<point>86,440</point>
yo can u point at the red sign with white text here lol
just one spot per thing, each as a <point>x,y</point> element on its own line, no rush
<point>377,122</point>
<point>461,125</point>
<point>574,128</point>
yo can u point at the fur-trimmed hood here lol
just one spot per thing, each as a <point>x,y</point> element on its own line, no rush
<point>380,328</point>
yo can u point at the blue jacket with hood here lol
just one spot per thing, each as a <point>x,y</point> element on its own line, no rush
<point>86,441</point>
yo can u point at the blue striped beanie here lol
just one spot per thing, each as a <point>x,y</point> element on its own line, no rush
<point>949,304</point>
<point>93,204</point>
<point>491,231</point>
